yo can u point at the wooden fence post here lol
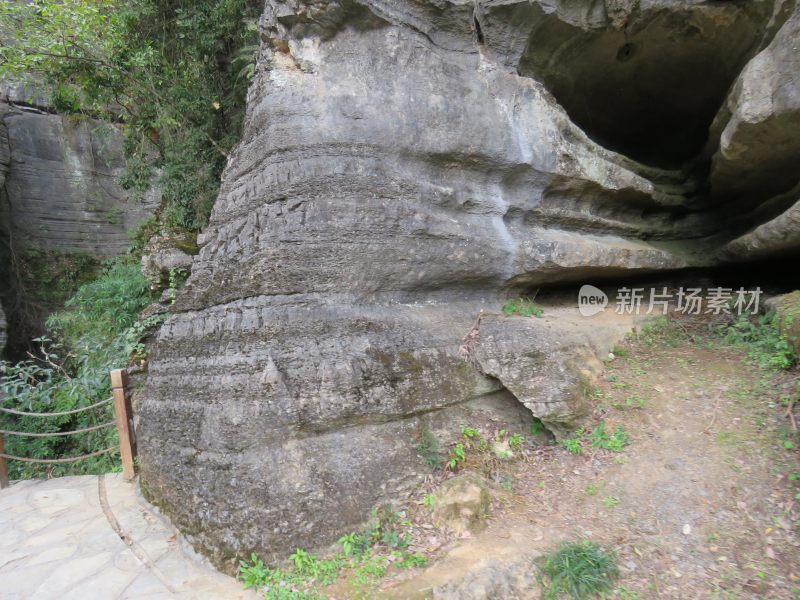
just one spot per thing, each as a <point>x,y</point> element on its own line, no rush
<point>3,465</point>
<point>122,409</point>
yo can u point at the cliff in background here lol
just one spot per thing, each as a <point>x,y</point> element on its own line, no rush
<point>406,164</point>
<point>59,195</point>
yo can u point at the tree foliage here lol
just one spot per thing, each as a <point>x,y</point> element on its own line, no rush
<point>97,331</point>
<point>174,72</point>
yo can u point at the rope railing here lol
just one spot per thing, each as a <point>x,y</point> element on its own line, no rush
<point>52,461</point>
<point>64,413</point>
<point>123,422</point>
<point>59,433</point>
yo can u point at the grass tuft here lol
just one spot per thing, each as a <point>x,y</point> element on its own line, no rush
<point>580,569</point>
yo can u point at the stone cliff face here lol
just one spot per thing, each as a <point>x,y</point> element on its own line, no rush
<point>59,188</point>
<point>406,164</point>
<point>61,191</point>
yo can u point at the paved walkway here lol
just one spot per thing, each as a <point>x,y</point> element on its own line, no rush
<point>63,538</point>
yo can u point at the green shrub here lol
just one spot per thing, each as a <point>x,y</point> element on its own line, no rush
<point>578,570</point>
<point>760,337</point>
<point>96,332</point>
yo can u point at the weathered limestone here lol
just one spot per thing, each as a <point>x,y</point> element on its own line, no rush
<point>759,147</point>
<point>164,254</point>
<point>4,160</point>
<point>62,191</point>
<point>787,309</point>
<point>405,165</point>
<point>3,334</point>
<point>780,236</point>
<point>462,503</point>
<point>59,191</point>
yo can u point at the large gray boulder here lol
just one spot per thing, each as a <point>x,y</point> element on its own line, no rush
<point>759,147</point>
<point>404,165</point>
<point>755,167</point>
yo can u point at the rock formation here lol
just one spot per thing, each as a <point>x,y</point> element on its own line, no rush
<point>404,165</point>
<point>3,327</point>
<point>59,183</point>
<point>61,191</point>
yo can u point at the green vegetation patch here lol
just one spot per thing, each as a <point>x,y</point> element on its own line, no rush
<point>578,570</point>
<point>761,338</point>
<point>98,330</point>
<point>364,559</point>
<point>522,306</point>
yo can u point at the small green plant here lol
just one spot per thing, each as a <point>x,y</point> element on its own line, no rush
<point>393,539</point>
<point>371,569</point>
<point>537,426</point>
<point>470,433</point>
<point>614,442</point>
<point>573,444</point>
<point>591,489</point>
<point>578,570</point>
<point>662,330</point>
<point>515,441</point>
<point>275,584</point>
<point>611,501</point>
<point>457,456</point>
<point>522,306</point>
<point>254,574</point>
<point>410,561</point>
<point>115,216</point>
<point>308,565</point>
<point>429,501</point>
<point>177,276</point>
<point>635,401</point>
<point>354,544</point>
<point>620,351</point>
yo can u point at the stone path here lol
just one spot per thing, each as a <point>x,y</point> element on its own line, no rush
<point>57,541</point>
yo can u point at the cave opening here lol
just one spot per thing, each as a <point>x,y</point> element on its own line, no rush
<point>774,276</point>
<point>649,92</point>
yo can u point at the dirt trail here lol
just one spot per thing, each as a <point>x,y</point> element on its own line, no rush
<point>699,505</point>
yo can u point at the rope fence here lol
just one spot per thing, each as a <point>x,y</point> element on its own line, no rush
<point>53,461</point>
<point>59,433</point>
<point>19,413</point>
<point>123,423</point>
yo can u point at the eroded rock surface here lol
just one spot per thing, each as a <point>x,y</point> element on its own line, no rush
<point>462,503</point>
<point>405,165</point>
<point>3,334</point>
<point>61,191</point>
